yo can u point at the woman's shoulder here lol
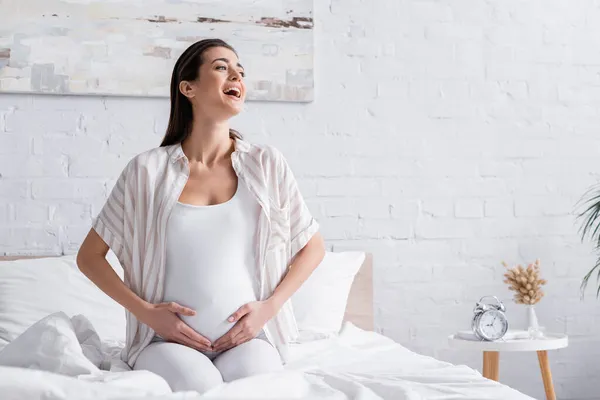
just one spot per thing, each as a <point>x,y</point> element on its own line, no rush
<point>266,154</point>
<point>152,158</point>
<point>157,155</point>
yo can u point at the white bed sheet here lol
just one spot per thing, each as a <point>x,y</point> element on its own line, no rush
<point>357,365</point>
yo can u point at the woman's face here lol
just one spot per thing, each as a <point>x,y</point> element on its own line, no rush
<point>219,90</point>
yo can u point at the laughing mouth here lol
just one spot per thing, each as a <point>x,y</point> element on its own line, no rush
<point>234,92</point>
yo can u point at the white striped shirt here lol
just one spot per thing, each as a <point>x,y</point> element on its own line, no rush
<point>134,218</point>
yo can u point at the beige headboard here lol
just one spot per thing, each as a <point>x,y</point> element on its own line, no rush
<point>359,310</point>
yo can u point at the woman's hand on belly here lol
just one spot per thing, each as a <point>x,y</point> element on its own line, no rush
<point>163,319</point>
<point>250,319</point>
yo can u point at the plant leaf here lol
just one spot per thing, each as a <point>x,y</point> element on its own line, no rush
<point>587,276</point>
<point>591,228</point>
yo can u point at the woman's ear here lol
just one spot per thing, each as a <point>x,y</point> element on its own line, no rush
<point>186,89</point>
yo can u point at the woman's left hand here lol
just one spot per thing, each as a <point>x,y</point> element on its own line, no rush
<point>251,318</point>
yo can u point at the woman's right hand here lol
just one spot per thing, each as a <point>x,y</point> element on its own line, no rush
<point>163,319</point>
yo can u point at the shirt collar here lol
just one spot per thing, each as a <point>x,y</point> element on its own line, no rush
<point>176,151</point>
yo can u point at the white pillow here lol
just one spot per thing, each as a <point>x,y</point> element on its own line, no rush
<point>48,345</point>
<point>320,303</point>
<point>31,289</point>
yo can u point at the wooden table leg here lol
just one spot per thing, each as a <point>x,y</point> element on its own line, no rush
<point>546,375</point>
<point>491,365</point>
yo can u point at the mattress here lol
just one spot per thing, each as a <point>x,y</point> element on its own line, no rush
<point>357,364</point>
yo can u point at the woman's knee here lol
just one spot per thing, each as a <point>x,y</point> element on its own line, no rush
<point>254,357</point>
<point>200,380</point>
<point>182,367</point>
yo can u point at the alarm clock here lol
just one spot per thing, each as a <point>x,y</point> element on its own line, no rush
<point>489,321</point>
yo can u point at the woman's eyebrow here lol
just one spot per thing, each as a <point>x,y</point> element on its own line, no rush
<point>226,60</point>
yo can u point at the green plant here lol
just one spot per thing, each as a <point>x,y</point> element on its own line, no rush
<point>591,228</point>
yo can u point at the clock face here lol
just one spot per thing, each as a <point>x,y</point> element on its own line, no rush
<point>492,325</point>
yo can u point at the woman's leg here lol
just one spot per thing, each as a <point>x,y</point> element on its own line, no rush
<point>256,356</point>
<point>182,367</point>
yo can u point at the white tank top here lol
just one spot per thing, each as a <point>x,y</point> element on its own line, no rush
<point>211,263</point>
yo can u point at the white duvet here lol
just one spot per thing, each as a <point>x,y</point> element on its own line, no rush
<point>356,365</point>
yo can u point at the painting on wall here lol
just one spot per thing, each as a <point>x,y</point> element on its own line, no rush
<point>129,47</point>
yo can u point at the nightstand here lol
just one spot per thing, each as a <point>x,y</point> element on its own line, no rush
<point>491,354</point>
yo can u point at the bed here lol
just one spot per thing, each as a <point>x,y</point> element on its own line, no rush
<point>356,363</point>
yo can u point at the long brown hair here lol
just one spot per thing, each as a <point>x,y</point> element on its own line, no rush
<point>187,68</point>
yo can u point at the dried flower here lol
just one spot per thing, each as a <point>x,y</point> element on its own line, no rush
<point>525,282</point>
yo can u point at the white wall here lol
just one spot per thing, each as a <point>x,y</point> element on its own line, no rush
<point>446,136</point>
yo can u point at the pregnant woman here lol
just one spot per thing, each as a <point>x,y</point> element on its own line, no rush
<point>213,235</point>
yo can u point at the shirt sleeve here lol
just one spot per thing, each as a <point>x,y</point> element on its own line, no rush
<point>302,224</point>
<point>110,222</point>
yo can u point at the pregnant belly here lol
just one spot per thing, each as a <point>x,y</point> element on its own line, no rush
<point>212,313</point>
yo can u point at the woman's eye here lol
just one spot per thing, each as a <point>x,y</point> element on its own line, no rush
<point>243,74</point>
<point>222,67</point>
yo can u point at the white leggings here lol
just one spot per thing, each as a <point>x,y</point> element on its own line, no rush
<point>185,368</point>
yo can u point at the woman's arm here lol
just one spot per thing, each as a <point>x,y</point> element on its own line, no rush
<point>300,269</point>
<point>162,318</point>
<point>91,260</point>
<point>257,314</point>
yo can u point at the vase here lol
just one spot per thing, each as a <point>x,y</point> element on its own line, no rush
<point>533,326</point>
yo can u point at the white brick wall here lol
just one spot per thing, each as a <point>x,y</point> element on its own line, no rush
<point>446,136</point>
